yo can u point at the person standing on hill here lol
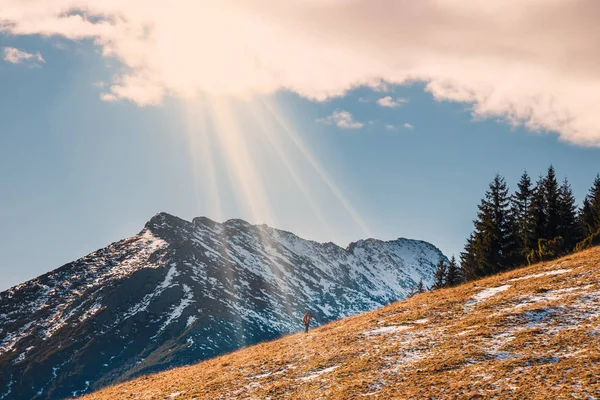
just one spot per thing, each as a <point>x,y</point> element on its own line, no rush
<point>306,321</point>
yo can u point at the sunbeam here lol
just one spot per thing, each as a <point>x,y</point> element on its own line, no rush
<point>298,142</point>
<point>261,115</point>
<point>241,166</point>
<point>200,150</point>
<point>216,129</point>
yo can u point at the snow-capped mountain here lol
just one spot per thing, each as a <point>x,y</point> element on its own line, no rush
<point>179,292</point>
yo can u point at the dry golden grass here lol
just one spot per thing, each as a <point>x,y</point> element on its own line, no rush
<point>538,339</point>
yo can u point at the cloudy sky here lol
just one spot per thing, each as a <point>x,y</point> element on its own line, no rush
<point>335,119</point>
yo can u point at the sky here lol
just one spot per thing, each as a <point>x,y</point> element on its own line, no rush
<point>334,119</point>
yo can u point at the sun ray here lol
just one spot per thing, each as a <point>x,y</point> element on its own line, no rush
<point>233,143</point>
<point>258,111</point>
<point>279,116</point>
<point>200,150</point>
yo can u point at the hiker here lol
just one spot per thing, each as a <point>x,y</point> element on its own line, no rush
<point>306,321</point>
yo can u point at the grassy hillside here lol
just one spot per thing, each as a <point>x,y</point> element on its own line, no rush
<point>532,333</point>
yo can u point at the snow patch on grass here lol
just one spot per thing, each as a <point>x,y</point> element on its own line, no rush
<point>411,356</point>
<point>547,273</point>
<point>486,293</point>
<point>497,342</point>
<point>387,330</point>
<point>318,373</point>
<point>550,295</point>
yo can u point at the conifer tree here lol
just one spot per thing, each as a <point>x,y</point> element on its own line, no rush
<point>568,227</point>
<point>551,194</point>
<point>494,243</point>
<point>589,215</point>
<point>586,217</point>
<point>452,273</point>
<point>420,288</point>
<point>537,214</point>
<point>521,205</point>
<point>468,264</point>
<point>595,204</point>
<point>440,275</point>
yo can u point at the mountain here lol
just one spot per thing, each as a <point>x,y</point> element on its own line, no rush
<point>532,333</point>
<point>180,292</point>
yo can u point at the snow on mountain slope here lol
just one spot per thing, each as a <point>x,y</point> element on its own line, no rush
<point>180,292</point>
<point>531,333</point>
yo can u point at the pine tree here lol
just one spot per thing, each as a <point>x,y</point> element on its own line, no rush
<point>440,275</point>
<point>537,214</point>
<point>589,216</point>
<point>568,227</point>
<point>551,194</point>
<point>494,243</point>
<point>452,273</point>
<point>521,205</point>
<point>595,204</point>
<point>420,288</point>
<point>586,217</point>
<point>468,263</point>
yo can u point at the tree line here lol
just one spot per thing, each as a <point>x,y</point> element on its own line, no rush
<point>538,222</point>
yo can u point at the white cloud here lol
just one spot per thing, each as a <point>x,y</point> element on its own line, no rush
<point>498,55</point>
<point>108,97</point>
<point>380,86</point>
<point>342,119</point>
<point>16,56</point>
<point>408,126</point>
<point>390,127</point>
<point>388,101</point>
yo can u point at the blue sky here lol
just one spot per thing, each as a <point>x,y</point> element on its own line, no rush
<point>78,172</point>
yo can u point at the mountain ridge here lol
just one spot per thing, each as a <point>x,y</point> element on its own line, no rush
<point>233,221</point>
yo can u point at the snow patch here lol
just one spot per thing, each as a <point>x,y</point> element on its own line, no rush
<point>318,373</point>
<point>9,389</point>
<point>496,343</point>
<point>191,320</point>
<point>178,310</point>
<point>486,294</point>
<point>547,273</point>
<point>386,330</point>
<point>264,375</point>
<point>551,295</point>
<point>411,356</point>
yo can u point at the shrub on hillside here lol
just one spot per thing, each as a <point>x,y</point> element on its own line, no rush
<point>590,241</point>
<point>547,250</point>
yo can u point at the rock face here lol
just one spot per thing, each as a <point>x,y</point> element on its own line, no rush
<point>180,292</point>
